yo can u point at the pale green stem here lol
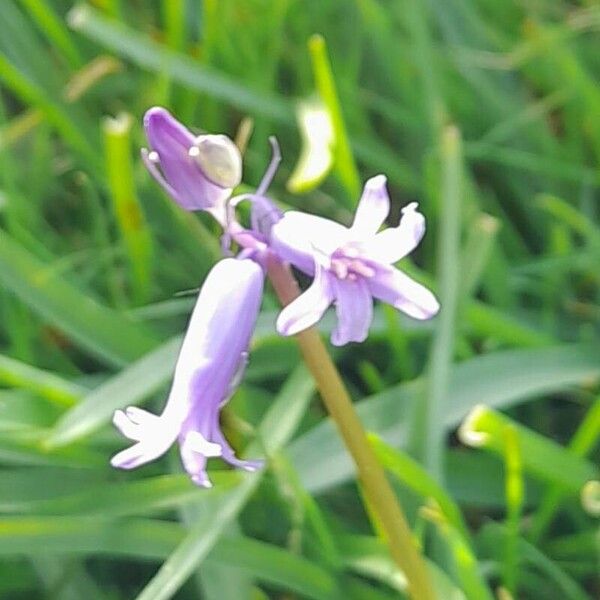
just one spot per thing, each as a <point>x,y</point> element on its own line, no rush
<point>377,490</point>
<point>582,443</point>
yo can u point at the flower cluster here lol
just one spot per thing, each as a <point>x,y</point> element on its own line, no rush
<point>350,266</point>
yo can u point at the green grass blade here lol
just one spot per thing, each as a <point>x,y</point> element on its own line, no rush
<point>325,83</point>
<point>515,496</point>
<point>410,473</point>
<point>502,378</point>
<point>476,252</point>
<point>428,429</point>
<point>43,14</point>
<point>275,430</point>
<point>128,210</point>
<point>368,557</point>
<point>493,535</point>
<point>583,442</point>
<point>56,115</point>
<point>105,499</point>
<point>49,385</point>
<point>127,43</point>
<point>152,539</point>
<point>134,384</point>
<point>486,428</point>
<point>102,332</point>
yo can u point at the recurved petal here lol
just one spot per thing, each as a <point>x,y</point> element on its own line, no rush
<point>229,456</point>
<point>298,236</point>
<point>152,433</point>
<point>354,309</point>
<point>373,208</point>
<point>308,308</point>
<point>194,463</point>
<point>402,292</point>
<point>171,142</point>
<point>142,452</point>
<point>395,243</point>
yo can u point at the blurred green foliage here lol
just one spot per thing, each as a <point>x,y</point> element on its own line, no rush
<point>487,113</point>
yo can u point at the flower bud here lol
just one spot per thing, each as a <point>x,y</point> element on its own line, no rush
<point>219,159</point>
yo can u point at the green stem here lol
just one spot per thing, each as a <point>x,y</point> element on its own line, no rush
<point>582,443</point>
<point>377,490</point>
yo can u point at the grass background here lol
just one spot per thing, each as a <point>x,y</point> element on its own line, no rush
<point>485,112</point>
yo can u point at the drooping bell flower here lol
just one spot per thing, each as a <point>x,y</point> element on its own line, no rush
<point>351,266</point>
<point>208,370</point>
<point>198,172</point>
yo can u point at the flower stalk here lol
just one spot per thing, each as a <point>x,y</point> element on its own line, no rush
<point>377,489</point>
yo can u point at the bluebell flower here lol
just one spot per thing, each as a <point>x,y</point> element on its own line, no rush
<point>351,266</point>
<point>209,367</point>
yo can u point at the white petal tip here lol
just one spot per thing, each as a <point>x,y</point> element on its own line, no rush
<point>286,326</point>
<point>342,341</point>
<point>120,463</point>
<point>377,181</point>
<point>412,207</point>
<point>251,466</point>
<point>117,416</point>
<point>202,481</point>
<point>198,443</point>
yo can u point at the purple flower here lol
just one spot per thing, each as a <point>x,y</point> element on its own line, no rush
<point>208,370</point>
<point>198,172</point>
<point>351,266</point>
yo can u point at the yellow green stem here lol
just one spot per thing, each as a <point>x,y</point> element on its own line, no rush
<point>377,490</point>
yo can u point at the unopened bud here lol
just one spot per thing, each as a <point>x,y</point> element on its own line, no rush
<point>219,159</point>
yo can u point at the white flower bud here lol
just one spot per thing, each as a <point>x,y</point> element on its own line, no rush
<point>219,159</point>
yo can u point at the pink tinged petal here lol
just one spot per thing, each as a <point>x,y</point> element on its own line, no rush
<point>308,308</point>
<point>402,292</point>
<point>372,210</point>
<point>354,308</point>
<point>395,243</point>
<point>297,237</point>
<point>181,177</point>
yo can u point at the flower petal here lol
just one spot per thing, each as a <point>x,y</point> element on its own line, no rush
<point>142,452</point>
<point>402,292</point>
<point>264,215</point>
<point>228,454</point>
<point>373,208</point>
<point>194,463</point>
<point>172,142</point>
<point>297,237</point>
<point>211,357</point>
<point>354,308</point>
<point>309,307</point>
<point>198,443</point>
<point>395,243</point>
<point>217,337</point>
<point>153,434</point>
